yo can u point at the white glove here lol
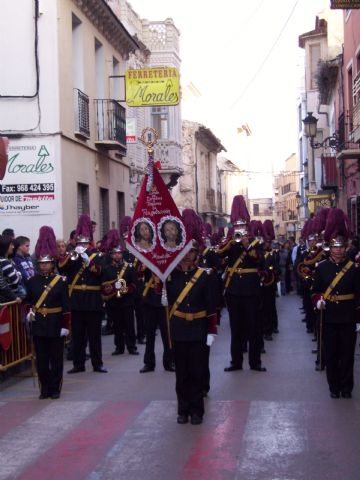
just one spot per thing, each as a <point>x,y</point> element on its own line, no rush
<point>64,332</point>
<point>210,339</point>
<point>320,304</point>
<point>80,249</point>
<point>85,258</point>
<point>357,328</point>
<point>29,315</point>
<point>117,285</point>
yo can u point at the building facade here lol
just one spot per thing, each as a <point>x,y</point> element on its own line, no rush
<point>199,187</point>
<point>159,47</point>
<point>62,114</point>
<point>321,44</point>
<point>287,220</point>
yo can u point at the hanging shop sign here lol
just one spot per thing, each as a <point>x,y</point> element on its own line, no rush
<point>150,87</point>
<point>28,186</point>
<point>345,4</point>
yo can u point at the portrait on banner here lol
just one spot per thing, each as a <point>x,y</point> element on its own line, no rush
<point>171,233</point>
<point>143,235</point>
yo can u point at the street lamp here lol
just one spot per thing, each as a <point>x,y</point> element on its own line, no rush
<point>310,130</point>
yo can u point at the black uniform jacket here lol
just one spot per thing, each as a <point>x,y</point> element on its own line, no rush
<point>248,283</point>
<point>271,273</point>
<point>200,300</point>
<point>86,294</point>
<point>152,292</point>
<point>109,277</point>
<point>49,324</point>
<point>337,311</point>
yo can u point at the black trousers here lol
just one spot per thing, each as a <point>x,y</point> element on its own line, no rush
<point>310,315</point>
<point>140,321</point>
<point>339,349</point>
<point>86,326</point>
<point>190,361</point>
<point>269,312</point>
<point>124,326</point>
<point>156,317</point>
<point>49,363</point>
<point>245,324</point>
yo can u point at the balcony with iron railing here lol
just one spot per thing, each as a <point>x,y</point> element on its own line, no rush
<point>81,109</point>
<point>355,134</point>
<point>110,125</point>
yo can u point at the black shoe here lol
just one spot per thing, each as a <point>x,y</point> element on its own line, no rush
<point>133,352</point>
<point>182,419</point>
<point>346,395</point>
<point>100,369</point>
<point>258,369</point>
<point>263,350</point>
<point>334,394</point>
<point>76,370</point>
<point>275,330</point>
<point>117,351</point>
<point>232,368</point>
<point>195,419</point>
<point>87,356</point>
<point>146,369</point>
<point>55,396</point>
<point>141,341</point>
<point>205,393</point>
<point>169,368</point>
<point>319,368</point>
<point>268,338</point>
<point>42,396</point>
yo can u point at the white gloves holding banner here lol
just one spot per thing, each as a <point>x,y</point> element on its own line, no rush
<point>64,332</point>
<point>28,316</point>
<point>210,339</point>
<point>320,304</point>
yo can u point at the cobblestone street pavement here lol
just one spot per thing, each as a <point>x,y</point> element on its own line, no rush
<point>278,425</point>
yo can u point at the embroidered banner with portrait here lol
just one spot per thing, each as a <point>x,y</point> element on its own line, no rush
<point>157,235</point>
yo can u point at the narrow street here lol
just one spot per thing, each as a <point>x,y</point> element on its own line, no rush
<point>281,424</point>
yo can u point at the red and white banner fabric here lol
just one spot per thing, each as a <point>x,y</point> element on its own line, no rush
<point>157,235</point>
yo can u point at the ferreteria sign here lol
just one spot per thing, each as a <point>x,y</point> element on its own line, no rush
<point>345,4</point>
<point>151,87</point>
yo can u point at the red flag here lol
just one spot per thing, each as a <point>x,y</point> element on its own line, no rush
<point>5,328</point>
<point>157,235</point>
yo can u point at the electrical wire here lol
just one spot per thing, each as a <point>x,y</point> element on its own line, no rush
<point>248,85</point>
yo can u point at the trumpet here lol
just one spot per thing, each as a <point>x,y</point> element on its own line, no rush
<point>73,255</point>
<point>120,286</point>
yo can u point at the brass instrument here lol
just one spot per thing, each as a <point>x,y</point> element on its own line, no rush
<point>120,286</point>
<point>73,255</point>
<point>239,230</point>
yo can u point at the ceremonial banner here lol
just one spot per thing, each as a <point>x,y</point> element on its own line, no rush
<point>157,235</point>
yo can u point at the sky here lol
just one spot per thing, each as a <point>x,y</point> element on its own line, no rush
<point>243,58</point>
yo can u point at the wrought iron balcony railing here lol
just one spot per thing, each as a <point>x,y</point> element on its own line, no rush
<point>110,125</point>
<point>82,124</point>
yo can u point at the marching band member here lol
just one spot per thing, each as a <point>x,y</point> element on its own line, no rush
<point>155,316</point>
<point>243,289</point>
<point>118,291</point>
<point>83,268</point>
<point>193,326</point>
<point>48,295</point>
<point>336,295</point>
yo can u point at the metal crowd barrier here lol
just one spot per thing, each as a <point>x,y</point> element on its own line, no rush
<point>15,344</point>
